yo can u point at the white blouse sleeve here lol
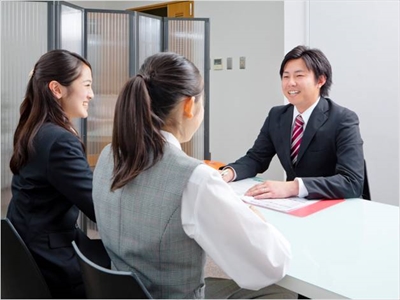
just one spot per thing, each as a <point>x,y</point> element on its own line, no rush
<point>249,250</point>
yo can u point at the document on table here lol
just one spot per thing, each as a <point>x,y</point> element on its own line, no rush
<point>284,204</point>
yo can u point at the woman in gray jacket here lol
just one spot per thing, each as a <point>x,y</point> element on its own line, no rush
<point>160,211</point>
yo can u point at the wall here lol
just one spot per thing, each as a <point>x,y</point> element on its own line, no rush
<point>295,24</point>
<point>361,40</point>
<point>240,99</point>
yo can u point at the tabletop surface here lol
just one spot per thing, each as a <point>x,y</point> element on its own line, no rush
<point>349,250</point>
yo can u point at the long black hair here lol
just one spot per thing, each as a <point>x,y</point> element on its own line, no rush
<point>143,108</point>
<point>40,105</point>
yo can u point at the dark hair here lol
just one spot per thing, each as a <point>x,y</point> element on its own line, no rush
<point>40,105</point>
<point>316,61</point>
<point>142,109</point>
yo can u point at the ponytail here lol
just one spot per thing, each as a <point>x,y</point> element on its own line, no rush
<point>136,133</point>
<point>143,108</point>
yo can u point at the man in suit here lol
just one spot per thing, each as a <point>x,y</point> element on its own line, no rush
<point>321,151</point>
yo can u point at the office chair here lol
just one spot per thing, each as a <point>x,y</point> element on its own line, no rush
<point>94,250</point>
<point>366,194</point>
<point>102,283</point>
<point>21,277</point>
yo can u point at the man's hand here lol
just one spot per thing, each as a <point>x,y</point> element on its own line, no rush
<point>274,189</point>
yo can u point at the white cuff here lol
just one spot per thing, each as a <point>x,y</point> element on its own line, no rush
<point>302,188</point>
<point>233,170</point>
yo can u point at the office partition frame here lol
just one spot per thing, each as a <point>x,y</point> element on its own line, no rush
<point>24,33</point>
<point>62,16</point>
<point>193,36</point>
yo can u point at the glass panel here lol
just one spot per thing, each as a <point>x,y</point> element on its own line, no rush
<point>72,39</point>
<point>187,37</point>
<point>24,40</point>
<point>108,53</point>
<point>71,29</point>
<point>149,37</point>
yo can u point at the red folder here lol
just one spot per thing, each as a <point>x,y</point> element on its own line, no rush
<point>317,206</point>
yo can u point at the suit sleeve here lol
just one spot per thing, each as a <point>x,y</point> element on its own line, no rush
<point>349,171</point>
<point>258,157</point>
<point>69,173</point>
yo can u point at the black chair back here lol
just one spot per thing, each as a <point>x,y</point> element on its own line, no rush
<point>93,249</point>
<point>366,193</point>
<point>102,283</point>
<point>21,277</point>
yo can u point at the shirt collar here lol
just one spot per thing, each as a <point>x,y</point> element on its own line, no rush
<point>170,138</point>
<point>306,114</point>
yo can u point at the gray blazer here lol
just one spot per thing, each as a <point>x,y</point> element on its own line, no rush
<point>141,226</point>
<point>330,159</point>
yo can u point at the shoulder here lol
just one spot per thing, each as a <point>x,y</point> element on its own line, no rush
<point>49,133</point>
<point>277,112</point>
<point>105,158</point>
<point>330,105</point>
<point>339,115</point>
<point>58,141</point>
<point>171,152</point>
<point>280,109</point>
<point>103,170</point>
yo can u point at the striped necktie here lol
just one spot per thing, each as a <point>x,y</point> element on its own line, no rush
<point>296,138</point>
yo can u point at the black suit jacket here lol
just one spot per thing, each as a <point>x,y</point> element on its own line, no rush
<point>330,160</point>
<point>48,193</point>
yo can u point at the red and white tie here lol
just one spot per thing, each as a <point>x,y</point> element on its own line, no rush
<point>296,138</point>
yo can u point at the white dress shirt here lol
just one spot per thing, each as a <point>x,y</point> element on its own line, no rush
<point>249,250</point>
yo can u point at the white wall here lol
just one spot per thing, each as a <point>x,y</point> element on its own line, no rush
<point>296,24</point>
<point>241,99</point>
<point>361,40</point>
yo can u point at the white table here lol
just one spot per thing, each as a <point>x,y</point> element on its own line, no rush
<point>349,250</point>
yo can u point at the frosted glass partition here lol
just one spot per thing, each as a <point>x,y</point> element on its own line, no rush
<point>148,37</point>
<point>71,26</point>
<point>23,41</point>
<point>108,53</point>
<point>188,38</point>
<point>71,38</point>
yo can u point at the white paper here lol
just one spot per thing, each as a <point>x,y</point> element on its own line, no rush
<point>283,204</point>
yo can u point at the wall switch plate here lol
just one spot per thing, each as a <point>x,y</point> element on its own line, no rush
<point>242,62</point>
<point>229,63</point>
<point>217,63</point>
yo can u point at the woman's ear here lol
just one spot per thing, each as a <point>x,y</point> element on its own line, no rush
<point>188,106</point>
<point>56,88</point>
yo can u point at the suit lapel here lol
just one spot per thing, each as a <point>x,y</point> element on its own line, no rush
<point>285,124</point>
<point>317,119</point>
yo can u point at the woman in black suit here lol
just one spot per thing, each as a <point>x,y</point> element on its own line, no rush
<point>52,180</point>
